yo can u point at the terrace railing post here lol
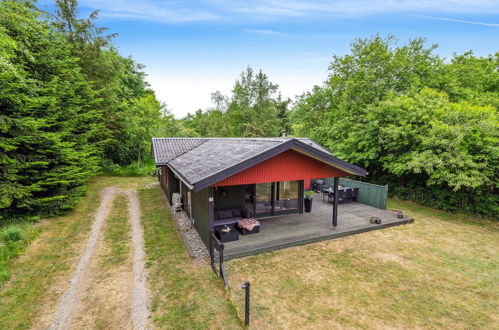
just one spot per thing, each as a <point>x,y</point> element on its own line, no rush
<point>221,258</point>
<point>335,202</point>
<point>211,249</point>
<point>216,245</point>
<point>222,267</point>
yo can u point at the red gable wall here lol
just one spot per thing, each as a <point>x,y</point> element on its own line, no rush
<point>288,166</point>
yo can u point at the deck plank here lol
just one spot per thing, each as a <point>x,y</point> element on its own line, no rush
<point>284,231</point>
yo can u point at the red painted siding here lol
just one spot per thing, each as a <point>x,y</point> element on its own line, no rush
<point>288,166</point>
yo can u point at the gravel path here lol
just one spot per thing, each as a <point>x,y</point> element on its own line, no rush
<point>65,309</point>
<point>195,246</point>
<point>140,306</point>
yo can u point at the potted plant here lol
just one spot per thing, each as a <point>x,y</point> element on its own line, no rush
<point>309,196</point>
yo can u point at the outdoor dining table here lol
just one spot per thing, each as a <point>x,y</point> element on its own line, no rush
<point>330,191</point>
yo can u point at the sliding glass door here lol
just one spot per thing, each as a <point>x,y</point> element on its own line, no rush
<point>274,198</point>
<point>286,196</point>
<point>263,199</point>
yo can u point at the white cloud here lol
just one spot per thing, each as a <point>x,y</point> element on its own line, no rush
<point>460,21</point>
<point>290,8</point>
<point>265,32</point>
<point>248,11</point>
<point>151,10</point>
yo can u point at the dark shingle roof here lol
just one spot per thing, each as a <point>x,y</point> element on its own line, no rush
<point>197,160</point>
<point>168,149</point>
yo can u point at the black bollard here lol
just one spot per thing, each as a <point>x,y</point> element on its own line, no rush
<point>246,287</point>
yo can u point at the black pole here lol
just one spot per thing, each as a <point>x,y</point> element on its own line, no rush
<point>212,251</point>
<point>246,287</point>
<point>335,204</point>
<point>221,261</point>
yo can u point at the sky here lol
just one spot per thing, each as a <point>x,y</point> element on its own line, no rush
<point>191,49</point>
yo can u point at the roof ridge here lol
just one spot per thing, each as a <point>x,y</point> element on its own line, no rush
<point>269,138</point>
<point>189,150</point>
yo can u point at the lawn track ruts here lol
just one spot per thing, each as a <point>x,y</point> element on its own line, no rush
<point>140,304</point>
<point>65,309</point>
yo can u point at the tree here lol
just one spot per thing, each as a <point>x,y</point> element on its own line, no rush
<point>252,111</point>
<point>411,120</point>
<point>121,92</point>
<point>283,113</point>
<point>474,79</point>
<point>47,122</point>
<point>143,121</point>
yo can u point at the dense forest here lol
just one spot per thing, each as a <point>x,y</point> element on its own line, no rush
<point>72,106</point>
<point>424,125</point>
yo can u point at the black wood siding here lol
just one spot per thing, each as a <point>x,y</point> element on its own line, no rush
<point>173,184</point>
<point>200,213</point>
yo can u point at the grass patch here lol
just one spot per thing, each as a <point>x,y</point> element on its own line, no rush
<point>117,233</point>
<point>50,258</point>
<point>184,295</point>
<point>110,282</point>
<point>442,271</point>
<point>11,249</point>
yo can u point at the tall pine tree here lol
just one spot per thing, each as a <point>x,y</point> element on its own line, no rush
<point>47,122</point>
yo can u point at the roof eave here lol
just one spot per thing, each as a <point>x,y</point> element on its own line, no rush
<point>177,174</point>
<point>347,167</point>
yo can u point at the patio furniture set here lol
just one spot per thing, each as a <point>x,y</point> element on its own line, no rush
<point>344,193</point>
<point>230,223</point>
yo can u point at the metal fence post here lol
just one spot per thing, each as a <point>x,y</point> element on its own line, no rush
<point>246,287</point>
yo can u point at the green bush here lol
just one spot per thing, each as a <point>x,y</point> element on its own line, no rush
<point>482,203</point>
<point>13,234</point>
<point>135,169</point>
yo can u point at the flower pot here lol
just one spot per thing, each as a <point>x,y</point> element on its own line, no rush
<point>308,205</point>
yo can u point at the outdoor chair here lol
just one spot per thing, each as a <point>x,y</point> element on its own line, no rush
<point>330,197</point>
<point>325,192</point>
<point>318,185</point>
<point>355,194</point>
<point>341,196</point>
<point>347,195</point>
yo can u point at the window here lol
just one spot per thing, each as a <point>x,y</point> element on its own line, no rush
<point>286,195</point>
<point>263,199</point>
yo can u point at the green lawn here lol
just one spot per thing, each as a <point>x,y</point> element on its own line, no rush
<point>184,295</point>
<point>440,272</point>
<point>35,272</point>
